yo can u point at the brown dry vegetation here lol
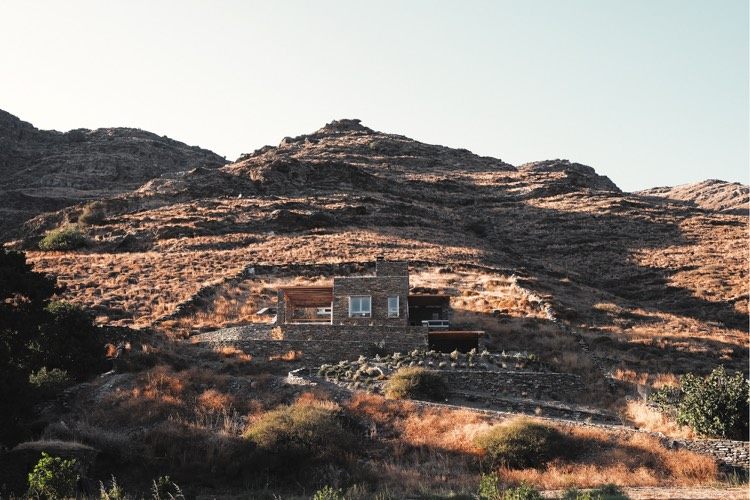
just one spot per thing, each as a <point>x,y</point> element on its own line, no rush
<point>599,456</point>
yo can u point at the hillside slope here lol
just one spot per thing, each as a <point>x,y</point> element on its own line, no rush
<point>43,170</point>
<point>654,285</point>
<point>711,194</point>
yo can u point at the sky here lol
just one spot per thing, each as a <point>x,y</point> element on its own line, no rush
<point>648,92</point>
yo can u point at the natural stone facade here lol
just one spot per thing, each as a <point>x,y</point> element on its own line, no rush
<point>379,288</point>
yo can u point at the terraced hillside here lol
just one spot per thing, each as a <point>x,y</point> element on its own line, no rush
<point>654,285</point>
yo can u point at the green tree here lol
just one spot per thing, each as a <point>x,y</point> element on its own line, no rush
<point>35,333</point>
<point>53,478</point>
<point>68,340</point>
<point>716,405</point>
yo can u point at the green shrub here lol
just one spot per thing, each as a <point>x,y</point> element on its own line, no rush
<point>715,406</point>
<point>92,214</point>
<point>49,382</point>
<point>53,478</point>
<point>114,492</point>
<point>489,487</point>
<point>63,238</point>
<point>328,493</point>
<point>302,432</point>
<point>164,488</point>
<point>521,443</point>
<point>606,492</point>
<point>68,340</point>
<point>523,492</point>
<point>416,383</point>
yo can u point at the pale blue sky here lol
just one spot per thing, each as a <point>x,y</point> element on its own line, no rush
<point>650,93</point>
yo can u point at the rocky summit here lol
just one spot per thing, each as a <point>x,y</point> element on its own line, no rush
<point>43,170</point>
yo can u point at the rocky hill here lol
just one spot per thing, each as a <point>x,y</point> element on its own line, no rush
<point>43,170</point>
<point>623,291</point>
<point>644,278</point>
<point>711,194</point>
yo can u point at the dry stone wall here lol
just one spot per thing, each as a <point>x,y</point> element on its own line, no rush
<point>519,384</point>
<point>311,352</point>
<point>413,336</point>
<point>318,344</point>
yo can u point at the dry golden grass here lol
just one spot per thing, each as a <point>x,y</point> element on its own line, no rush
<point>136,288</point>
<point>599,456</point>
<point>231,352</point>
<point>656,380</point>
<point>287,356</point>
<point>647,418</point>
<point>628,459</point>
<point>212,400</point>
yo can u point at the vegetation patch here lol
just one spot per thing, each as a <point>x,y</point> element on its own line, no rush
<point>93,214</point>
<point>53,477</point>
<point>63,238</point>
<point>714,406</point>
<point>308,430</point>
<point>521,443</point>
<point>416,383</point>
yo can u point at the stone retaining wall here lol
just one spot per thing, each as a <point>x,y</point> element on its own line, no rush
<point>535,385</point>
<point>413,336</point>
<point>731,453</point>
<point>311,352</point>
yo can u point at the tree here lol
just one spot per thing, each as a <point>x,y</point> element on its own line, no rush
<point>36,333</point>
<point>53,477</point>
<point>716,405</point>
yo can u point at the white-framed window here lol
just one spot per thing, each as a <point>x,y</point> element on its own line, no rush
<point>393,306</point>
<point>360,306</point>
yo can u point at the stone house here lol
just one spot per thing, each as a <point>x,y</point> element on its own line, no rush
<point>370,307</point>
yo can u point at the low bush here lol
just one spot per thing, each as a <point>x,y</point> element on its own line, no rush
<point>53,478</point>
<point>92,214</point>
<point>607,492</point>
<point>49,382</point>
<point>489,487</point>
<point>416,383</point>
<point>164,488</point>
<point>328,493</point>
<point>113,492</point>
<point>63,238</point>
<point>521,443</point>
<point>304,432</point>
<point>523,492</point>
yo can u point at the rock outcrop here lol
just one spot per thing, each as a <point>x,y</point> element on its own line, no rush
<point>42,170</point>
<point>711,194</point>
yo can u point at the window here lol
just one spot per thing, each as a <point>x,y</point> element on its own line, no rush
<point>393,307</point>
<point>360,306</point>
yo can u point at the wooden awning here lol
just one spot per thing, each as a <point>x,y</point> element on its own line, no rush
<point>308,296</point>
